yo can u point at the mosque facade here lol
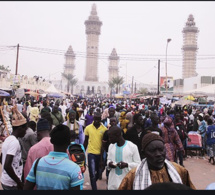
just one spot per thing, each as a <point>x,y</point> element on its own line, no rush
<point>91,84</point>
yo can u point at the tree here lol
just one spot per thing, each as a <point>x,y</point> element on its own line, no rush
<point>111,86</point>
<point>2,67</point>
<point>143,91</point>
<point>70,80</point>
<point>73,82</point>
<point>118,81</point>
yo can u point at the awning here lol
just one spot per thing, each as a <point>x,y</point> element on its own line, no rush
<point>4,93</point>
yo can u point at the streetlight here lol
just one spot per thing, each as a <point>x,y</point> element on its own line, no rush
<point>168,40</point>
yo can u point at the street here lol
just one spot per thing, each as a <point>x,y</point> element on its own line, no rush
<point>201,172</point>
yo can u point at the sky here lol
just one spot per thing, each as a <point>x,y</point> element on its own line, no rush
<point>138,30</point>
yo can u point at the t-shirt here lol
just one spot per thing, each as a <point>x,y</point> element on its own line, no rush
<point>89,119</point>
<point>56,172</point>
<point>95,138</point>
<point>11,146</point>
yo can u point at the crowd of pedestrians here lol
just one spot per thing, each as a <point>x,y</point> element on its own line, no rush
<point>137,143</point>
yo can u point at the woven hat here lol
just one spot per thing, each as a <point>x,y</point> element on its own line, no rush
<point>148,138</point>
<point>17,118</point>
<point>43,125</point>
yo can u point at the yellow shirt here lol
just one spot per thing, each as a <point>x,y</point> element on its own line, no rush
<point>95,138</point>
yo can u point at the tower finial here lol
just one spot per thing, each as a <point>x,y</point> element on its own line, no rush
<point>94,12</point>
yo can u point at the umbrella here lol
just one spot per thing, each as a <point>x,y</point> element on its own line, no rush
<point>189,97</point>
<point>32,93</point>
<point>4,93</point>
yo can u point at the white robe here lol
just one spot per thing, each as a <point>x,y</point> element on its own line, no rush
<point>127,153</point>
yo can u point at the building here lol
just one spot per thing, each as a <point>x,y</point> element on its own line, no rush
<point>93,30</point>
<point>113,65</point>
<point>69,67</point>
<point>193,83</point>
<point>190,32</point>
<point>91,84</point>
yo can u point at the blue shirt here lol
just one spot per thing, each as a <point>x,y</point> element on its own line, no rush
<point>202,128</point>
<point>56,172</point>
<point>210,135</point>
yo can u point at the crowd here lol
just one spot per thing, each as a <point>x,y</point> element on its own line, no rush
<point>136,143</point>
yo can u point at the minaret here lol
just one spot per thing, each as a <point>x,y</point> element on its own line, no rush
<point>69,66</point>
<point>93,26</point>
<point>113,65</point>
<point>189,48</point>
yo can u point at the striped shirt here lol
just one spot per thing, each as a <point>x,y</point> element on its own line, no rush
<point>56,172</point>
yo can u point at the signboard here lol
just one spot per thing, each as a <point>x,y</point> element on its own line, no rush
<point>15,81</point>
<point>169,84</point>
<point>20,93</point>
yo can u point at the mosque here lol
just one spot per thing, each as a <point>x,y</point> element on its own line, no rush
<point>91,84</point>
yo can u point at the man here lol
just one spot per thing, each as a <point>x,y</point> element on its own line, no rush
<point>147,120</point>
<point>136,133</point>
<point>11,156</point>
<point>75,125</point>
<point>123,155</point>
<point>81,117</point>
<point>34,112</point>
<point>202,131</point>
<point>155,168</point>
<point>129,116</point>
<point>42,148</point>
<point>106,143</point>
<point>210,142</point>
<point>89,117</point>
<point>19,106</point>
<point>28,141</point>
<point>106,122</point>
<point>111,112</point>
<point>154,126</point>
<point>181,130</point>
<point>45,108</point>
<point>56,171</point>
<point>93,143</point>
<point>57,116</point>
<point>63,108</point>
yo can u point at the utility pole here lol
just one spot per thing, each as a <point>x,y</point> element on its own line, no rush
<point>132,87</point>
<point>135,89</point>
<point>158,77</point>
<point>17,57</point>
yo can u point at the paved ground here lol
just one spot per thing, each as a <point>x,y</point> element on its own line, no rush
<point>201,172</point>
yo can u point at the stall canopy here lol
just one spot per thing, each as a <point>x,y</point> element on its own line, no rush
<point>54,95</point>
<point>32,93</point>
<point>52,89</point>
<point>4,93</point>
<point>52,92</point>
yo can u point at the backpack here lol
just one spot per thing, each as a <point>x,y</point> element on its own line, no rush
<point>77,155</point>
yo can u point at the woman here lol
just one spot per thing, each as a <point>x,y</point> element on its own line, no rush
<point>171,139</point>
